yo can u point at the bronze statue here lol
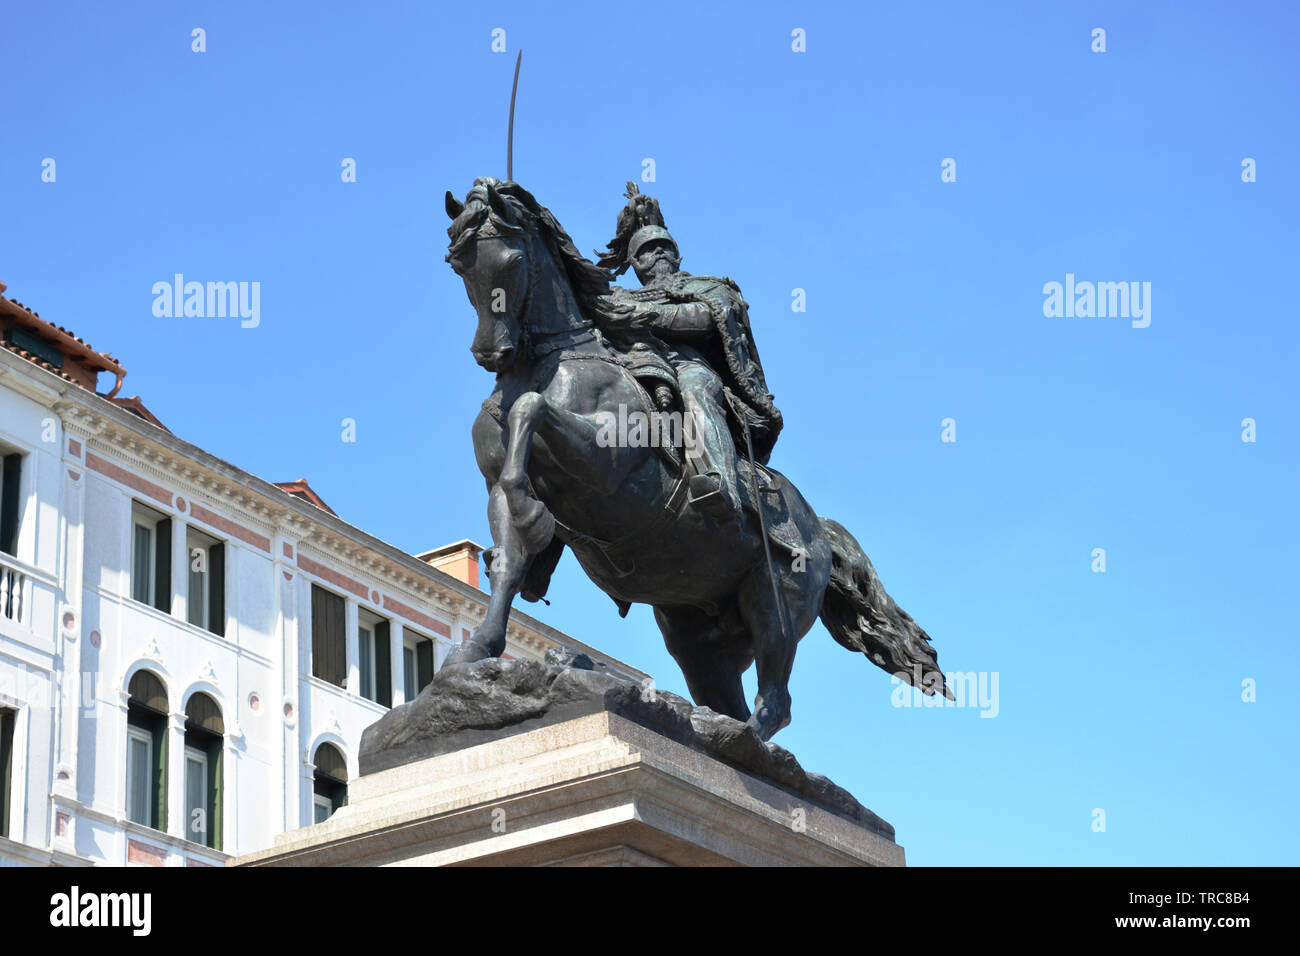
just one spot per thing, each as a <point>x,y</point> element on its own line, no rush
<point>735,563</point>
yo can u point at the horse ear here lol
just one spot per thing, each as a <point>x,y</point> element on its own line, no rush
<point>454,206</point>
<point>499,205</point>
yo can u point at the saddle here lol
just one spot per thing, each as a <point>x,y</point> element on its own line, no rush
<point>652,370</point>
<point>660,393</point>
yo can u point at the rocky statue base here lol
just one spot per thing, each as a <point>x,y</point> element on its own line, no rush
<point>521,763</point>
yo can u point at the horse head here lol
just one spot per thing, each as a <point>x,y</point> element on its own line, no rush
<point>507,246</point>
<point>489,251</point>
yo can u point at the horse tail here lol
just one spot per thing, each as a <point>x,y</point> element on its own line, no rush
<point>862,617</point>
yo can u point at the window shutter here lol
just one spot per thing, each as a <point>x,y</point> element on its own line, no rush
<point>424,664</point>
<point>383,664</point>
<point>13,466</point>
<point>328,636</point>
<point>317,632</point>
<point>162,565</point>
<point>216,753</point>
<point>217,589</point>
<point>6,767</point>
<point>159,781</point>
<point>338,640</point>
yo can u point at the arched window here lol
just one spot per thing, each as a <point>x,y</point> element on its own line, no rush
<point>331,784</point>
<point>146,751</point>
<point>204,746</point>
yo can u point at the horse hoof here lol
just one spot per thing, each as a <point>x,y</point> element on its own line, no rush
<point>766,724</point>
<point>467,652</point>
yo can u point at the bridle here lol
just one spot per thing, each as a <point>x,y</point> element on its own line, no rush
<point>533,345</point>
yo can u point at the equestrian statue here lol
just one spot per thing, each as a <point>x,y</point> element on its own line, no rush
<point>634,427</point>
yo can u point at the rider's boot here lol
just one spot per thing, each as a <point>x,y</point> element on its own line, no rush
<point>711,492</point>
<point>708,494</point>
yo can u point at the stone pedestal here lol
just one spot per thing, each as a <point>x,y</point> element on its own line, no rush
<point>598,789</point>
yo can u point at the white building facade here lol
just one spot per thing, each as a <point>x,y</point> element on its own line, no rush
<point>189,654</point>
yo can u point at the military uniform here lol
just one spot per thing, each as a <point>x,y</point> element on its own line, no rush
<point>705,322</point>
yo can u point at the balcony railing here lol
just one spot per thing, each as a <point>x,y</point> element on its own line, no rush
<point>13,588</point>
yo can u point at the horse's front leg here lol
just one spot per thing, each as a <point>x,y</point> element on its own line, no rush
<point>514,540</point>
<point>523,526</point>
<point>575,447</point>
<point>506,570</point>
<point>530,518</point>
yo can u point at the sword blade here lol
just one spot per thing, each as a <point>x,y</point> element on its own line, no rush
<point>510,133</point>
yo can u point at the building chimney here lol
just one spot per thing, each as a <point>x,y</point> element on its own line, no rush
<point>460,560</point>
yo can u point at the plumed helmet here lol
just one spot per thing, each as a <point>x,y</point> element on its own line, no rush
<point>639,222</point>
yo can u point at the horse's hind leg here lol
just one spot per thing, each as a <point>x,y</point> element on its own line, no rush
<point>710,659</point>
<point>774,645</point>
<point>773,653</point>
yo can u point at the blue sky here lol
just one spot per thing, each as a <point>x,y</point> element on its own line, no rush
<point>817,170</point>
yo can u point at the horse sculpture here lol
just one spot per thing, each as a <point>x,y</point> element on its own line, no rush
<point>719,597</point>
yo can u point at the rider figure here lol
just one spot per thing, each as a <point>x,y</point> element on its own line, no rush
<point>705,323</point>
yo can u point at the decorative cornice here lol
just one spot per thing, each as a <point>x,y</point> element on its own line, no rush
<point>165,467</point>
<point>79,420</point>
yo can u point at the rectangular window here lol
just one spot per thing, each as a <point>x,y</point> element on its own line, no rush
<point>205,603</point>
<point>196,600</point>
<point>408,673</point>
<point>11,468</point>
<point>151,558</point>
<point>374,658</point>
<point>328,636</point>
<point>7,719</point>
<point>322,808</point>
<point>366,662</point>
<point>417,663</point>
<point>139,775</point>
<point>196,795</point>
<point>142,564</point>
<point>146,762</point>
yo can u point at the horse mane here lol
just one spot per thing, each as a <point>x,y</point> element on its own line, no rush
<point>590,282</point>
